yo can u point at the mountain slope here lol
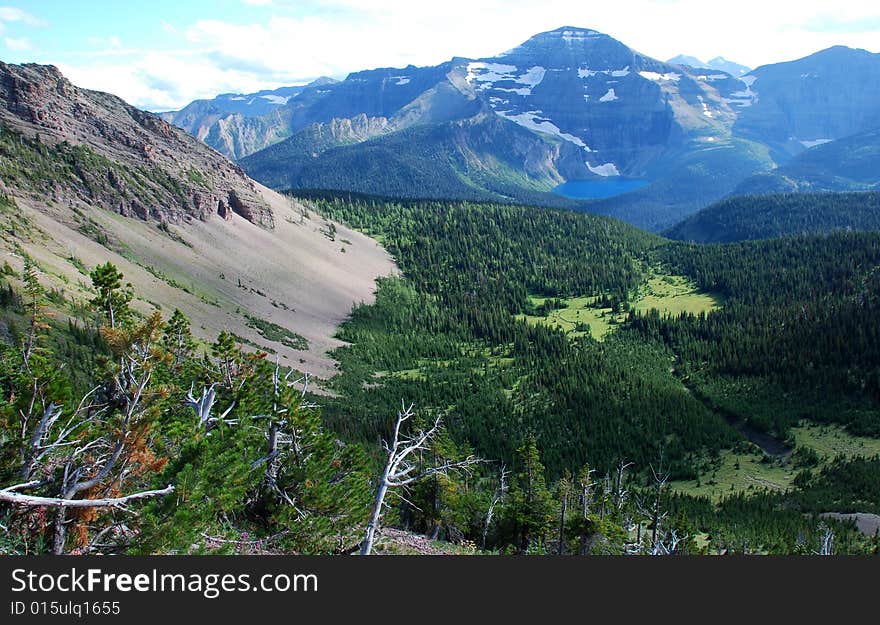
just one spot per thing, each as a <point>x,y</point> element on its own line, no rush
<point>848,164</point>
<point>484,157</point>
<point>828,95</point>
<point>86,178</point>
<point>746,218</point>
<point>153,170</point>
<point>687,180</point>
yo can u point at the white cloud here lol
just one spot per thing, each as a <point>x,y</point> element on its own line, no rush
<point>112,42</point>
<point>13,14</point>
<point>19,44</point>
<point>341,36</point>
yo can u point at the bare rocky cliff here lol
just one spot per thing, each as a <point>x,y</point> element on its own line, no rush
<point>126,160</point>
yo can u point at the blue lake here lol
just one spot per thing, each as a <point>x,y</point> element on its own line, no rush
<point>598,189</point>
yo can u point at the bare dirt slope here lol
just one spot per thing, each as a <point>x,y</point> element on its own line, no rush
<point>221,272</point>
<point>85,179</point>
<point>868,524</point>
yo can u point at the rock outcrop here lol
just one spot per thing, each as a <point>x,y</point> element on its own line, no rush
<point>119,157</point>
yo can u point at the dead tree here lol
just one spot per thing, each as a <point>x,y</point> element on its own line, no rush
<point>661,478</point>
<point>826,541</point>
<point>401,468</point>
<point>496,499</point>
<point>587,487</point>
<point>203,406</point>
<point>86,451</point>
<point>282,435</point>
<point>11,495</point>
<point>565,487</point>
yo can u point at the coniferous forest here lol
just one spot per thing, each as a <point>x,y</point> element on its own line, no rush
<point>644,419</point>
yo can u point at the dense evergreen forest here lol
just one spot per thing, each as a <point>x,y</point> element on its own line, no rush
<point>793,340</point>
<point>750,217</point>
<point>567,444</point>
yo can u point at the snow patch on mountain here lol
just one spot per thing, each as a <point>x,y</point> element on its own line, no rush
<point>814,142</point>
<point>533,121</point>
<point>586,72</point>
<point>609,96</point>
<point>605,169</point>
<point>523,91</point>
<point>669,76</point>
<point>276,99</point>
<point>533,77</point>
<point>571,36</point>
<point>401,80</point>
<point>745,97</point>
<point>487,74</point>
<point>706,110</point>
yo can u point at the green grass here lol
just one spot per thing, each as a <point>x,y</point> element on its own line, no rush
<point>478,358</point>
<point>739,472</point>
<point>831,440</point>
<point>668,294</point>
<point>673,295</point>
<point>274,332</point>
<point>577,314</point>
<point>406,374</point>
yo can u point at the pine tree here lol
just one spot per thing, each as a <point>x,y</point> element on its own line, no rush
<point>36,310</point>
<point>177,337</point>
<point>112,299</point>
<point>530,508</point>
<point>228,355</point>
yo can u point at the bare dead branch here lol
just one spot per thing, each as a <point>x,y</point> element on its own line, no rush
<point>11,496</point>
<point>401,470</point>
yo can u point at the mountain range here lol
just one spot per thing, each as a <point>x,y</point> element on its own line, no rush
<point>582,340</point>
<point>571,104</point>
<point>719,63</point>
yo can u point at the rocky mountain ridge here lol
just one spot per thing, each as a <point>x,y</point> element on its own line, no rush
<point>146,167</point>
<point>593,108</point>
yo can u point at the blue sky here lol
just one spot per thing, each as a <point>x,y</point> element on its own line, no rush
<point>163,53</point>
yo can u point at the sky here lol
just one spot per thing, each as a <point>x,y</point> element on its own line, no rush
<point>162,54</point>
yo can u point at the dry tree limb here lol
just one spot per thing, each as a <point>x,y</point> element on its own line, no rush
<point>401,470</point>
<point>10,495</point>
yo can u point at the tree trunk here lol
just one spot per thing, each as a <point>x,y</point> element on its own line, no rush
<point>373,525</point>
<point>563,508</point>
<point>60,531</point>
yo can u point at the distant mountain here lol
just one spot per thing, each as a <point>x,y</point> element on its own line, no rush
<point>731,67</point>
<point>690,61</point>
<point>746,218</point>
<point>579,105</point>
<point>485,157</point>
<point>86,178</point>
<point>719,63</point>
<point>799,104</point>
<point>591,108</point>
<point>249,104</point>
<point>227,122</point>
<point>848,164</point>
